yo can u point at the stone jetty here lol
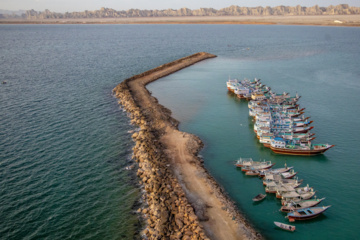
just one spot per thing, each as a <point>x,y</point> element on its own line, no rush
<point>182,201</point>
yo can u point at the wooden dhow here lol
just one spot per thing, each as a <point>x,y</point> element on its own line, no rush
<point>306,213</point>
<point>279,146</point>
<point>259,167</point>
<point>302,192</point>
<point>291,206</point>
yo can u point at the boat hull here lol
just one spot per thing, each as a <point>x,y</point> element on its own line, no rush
<point>285,226</point>
<point>259,197</point>
<point>252,173</point>
<point>244,169</point>
<point>292,217</point>
<point>313,203</point>
<point>300,152</point>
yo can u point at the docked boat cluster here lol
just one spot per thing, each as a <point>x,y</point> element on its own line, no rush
<point>298,202</point>
<point>279,121</point>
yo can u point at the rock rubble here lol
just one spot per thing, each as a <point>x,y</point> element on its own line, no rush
<point>168,213</point>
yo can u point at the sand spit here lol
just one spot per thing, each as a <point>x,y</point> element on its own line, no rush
<point>322,20</point>
<point>182,200</point>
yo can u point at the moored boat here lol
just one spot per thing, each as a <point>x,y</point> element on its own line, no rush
<point>274,187</point>
<point>278,145</point>
<point>291,206</point>
<point>303,192</point>
<point>277,178</point>
<point>259,167</point>
<point>259,197</point>
<point>275,171</point>
<point>270,188</point>
<point>284,226</point>
<point>252,173</point>
<point>306,213</point>
<point>245,162</point>
<point>288,175</point>
<point>294,196</point>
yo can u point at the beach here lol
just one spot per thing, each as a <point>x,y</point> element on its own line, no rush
<point>321,20</point>
<point>182,199</point>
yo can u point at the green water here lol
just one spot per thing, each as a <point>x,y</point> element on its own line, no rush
<point>199,100</point>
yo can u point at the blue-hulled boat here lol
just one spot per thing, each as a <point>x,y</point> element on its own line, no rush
<point>306,213</point>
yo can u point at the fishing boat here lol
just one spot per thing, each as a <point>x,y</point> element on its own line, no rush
<point>306,213</point>
<point>284,226</point>
<point>248,162</point>
<point>294,196</point>
<point>252,173</point>
<point>275,171</point>
<point>245,162</point>
<point>295,181</point>
<point>279,146</point>
<point>291,206</point>
<point>262,166</point>
<point>275,188</point>
<point>258,96</point>
<point>232,84</point>
<point>303,192</point>
<point>259,197</point>
<point>288,175</point>
<point>278,178</point>
<point>243,93</point>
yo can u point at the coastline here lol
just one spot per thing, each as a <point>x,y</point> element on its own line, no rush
<point>182,199</point>
<point>315,20</point>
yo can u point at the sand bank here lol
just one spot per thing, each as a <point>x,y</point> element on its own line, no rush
<point>182,200</point>
<point>323,20</point>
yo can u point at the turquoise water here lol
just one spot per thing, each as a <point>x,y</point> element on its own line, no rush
<point>327,77</point>
<point>64,141</point>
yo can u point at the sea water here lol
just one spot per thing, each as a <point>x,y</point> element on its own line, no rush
<point>319,63</point>
<point>65,142</point>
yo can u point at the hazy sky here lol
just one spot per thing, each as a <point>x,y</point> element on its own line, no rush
<point>81,5</point>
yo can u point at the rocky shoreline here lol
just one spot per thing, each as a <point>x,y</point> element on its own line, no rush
<point>172,209</point>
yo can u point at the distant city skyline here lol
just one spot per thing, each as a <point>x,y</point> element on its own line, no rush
<point>82,5</point>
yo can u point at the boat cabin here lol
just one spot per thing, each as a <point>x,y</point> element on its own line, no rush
<point>278,142</point>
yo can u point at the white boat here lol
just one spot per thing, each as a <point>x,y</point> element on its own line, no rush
<point>284,226</point>
<point>291,206</point>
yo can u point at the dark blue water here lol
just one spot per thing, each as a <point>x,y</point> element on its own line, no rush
<point>64,141</point>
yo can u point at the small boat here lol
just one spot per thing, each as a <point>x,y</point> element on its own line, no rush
<point>284,226</point>
<point>306,213</point>
<point>259,197</point>
<point>252,173</point>
<point>274,187</point>
<point>262,166</point>
<point>278,180</point>
<point>242,162</point>
<point>291,206</point>
<point>275,171</point>
<point>297,193</point>
<point>288,175</point>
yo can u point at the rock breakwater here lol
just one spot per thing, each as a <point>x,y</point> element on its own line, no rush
<point>182,201</point>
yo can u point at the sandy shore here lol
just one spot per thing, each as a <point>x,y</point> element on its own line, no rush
<point>161,147</point>
<point>323,20</point>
